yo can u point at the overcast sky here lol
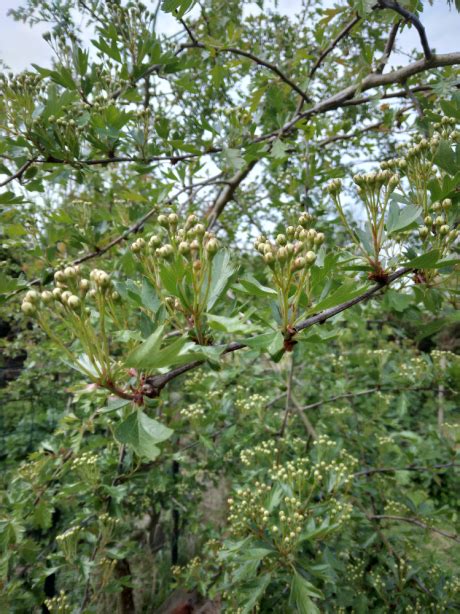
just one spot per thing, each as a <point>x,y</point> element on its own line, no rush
<point>21,45</point>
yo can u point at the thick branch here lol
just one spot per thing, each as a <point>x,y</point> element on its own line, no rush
<point>155,383</point>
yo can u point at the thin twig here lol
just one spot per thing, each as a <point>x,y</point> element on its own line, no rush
<point>388,48</point>
<point>415,522</point>
<point>413,19</point>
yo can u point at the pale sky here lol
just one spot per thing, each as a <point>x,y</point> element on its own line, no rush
<point>20,45</point>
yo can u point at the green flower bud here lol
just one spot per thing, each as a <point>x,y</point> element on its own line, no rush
<point>84,285</point>
<point>281,239</point>
<point>444,230</point>
<point>167,251</point>
<point>70,272</point>
<point>310,257</point>
<point>155,241</point>
<point>212,246</point>
<point>173,219</point>
<point>299,263</point>
<point>436,206</point>
<point>191,221</point>
<point>28,308</point>
<point>32,296</point>
<point>65,296</point>
<point>115,296</point>
<point>423,232</point>
<point>305,219</point>
<point>319,239</point>
<point>73,302</point>
<point>47,296</point>
<point>184,247</point>
<point>199,230</point>
<point>290,230</point>
<point>282,254</point>
<point>290,248</point>
<point>59,276</point>
<point>163,220</point>
<point>269,258</point>
<point>194,245</point>
<point>446,203</point>
<point>428,220</point>
<point>439,221</point>
<point>57,293</point>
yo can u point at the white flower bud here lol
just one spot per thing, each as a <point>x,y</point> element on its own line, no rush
<point>47,296</point>
<point>28,308</point>
<point>31,296</point>
<point>73,302</point>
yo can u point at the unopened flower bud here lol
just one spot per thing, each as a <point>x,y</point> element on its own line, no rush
<point>173,219</point>
<point>154,241</point>
<point>73,302</point>
<point>282,254</point>
<point>439,221</point>
<point>84,285</point>
<point>47,296</point>
<point>446,203</point>
<point>163,220</point>
<point>428,220</point>
<point>299,263</point>
<point>281,239</point>
<point>423,232</point>
<point>28,308</point>
<point>269,258</point>
<point>69,272</point>
<point>319,239</point>
<point>199,230</point>
<point>32,296</point>
<point>444,230</point>
<point>59,276</point>
<point>191,221</point>
<point>290,230</point>
<point>197,265</point>
<point>115,296</point>
<point>184,247</point>
<point>310,257</point>
<point>57,293</point>
<point>212,246</point>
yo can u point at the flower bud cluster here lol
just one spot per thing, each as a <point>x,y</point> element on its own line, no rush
<point>68,542</point>
<point>290,257</point>
<point>195,411</point>
<point>86,467</point>
<point>251,404</point>
<point>438,228</point>
<point>187,249</point>
<point>264,451</point>
<point>59,604</point>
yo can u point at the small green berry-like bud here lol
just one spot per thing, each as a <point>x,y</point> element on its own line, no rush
<point>212,246</point>
<point>310,257</point>
<point>28,308</point>
<point>439,221</point>
<point>305,219</point>
<point>290,230</point>
<point>269,258</point>
<point>191,221</point>
<point>444,230</point>
<point>282,254</point>
<point>184,247</point>
<point>70,272</point>
<point>281,239</point>
<point>428,220</point>
<point>47,296</point>
<point>173,219</point>
<point>154,241</point>
<point>59,276</point>
<point>319,239</point>
<point>446,203</point>
<point>32,296</point>
<point>84,285</point>
<point>73,302</point>
<point>163,220</point>
<point>115,296</point>
<point>423,232</point>
<point>57,293</point>
<point>199,230</point>
<point>299,263</point>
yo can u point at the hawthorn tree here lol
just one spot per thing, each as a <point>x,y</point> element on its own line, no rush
<point>228,300</point>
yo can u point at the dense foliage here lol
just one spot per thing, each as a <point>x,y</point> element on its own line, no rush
<point>228,312</point>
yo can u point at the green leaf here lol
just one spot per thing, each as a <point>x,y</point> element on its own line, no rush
<point>144,356</point>
<point>178,7</point>
<point>301,593</point>
<point>445,158</point>
<point>142,434</point>
<point>425,261</point>
<point>405,218</point>
<point>255,288</point>
<point>227,325</point>
<point>9,284</point>
<point>265,341</point>
<point>344,292</point>
<point>149,296</point>
<point>221,273</point>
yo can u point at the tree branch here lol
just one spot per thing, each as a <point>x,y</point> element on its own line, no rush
<point>356,19</point>
<point>415,522</point>
<point>19,173</point>
<point>155,383</point>
<point>372,471</point>
<point>413,19</point>
<point>388,48</point>
<point>227,193</point>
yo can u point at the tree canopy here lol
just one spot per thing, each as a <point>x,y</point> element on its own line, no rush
<point>228,310</point>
